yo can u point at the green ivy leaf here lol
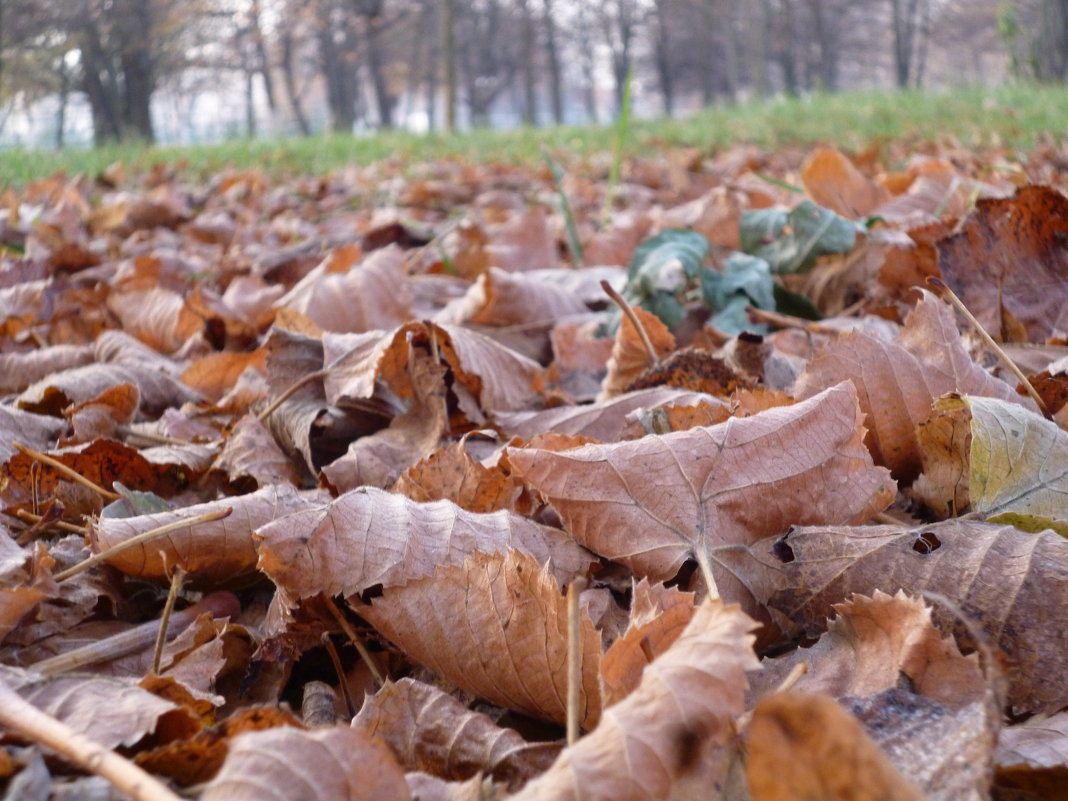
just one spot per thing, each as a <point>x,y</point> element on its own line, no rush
<point>792,241</point>
<point>661,269</point>
<point>745,281</point>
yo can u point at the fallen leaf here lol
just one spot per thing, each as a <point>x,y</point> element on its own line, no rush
<point>429,730</point>
<point>673,735</point>
<point>285,763</point>
<point>452,474</point>
<point>1008,263</point>
<point>1009,582</point>
<point>897,381</point>
<point>629,358</point>
<point>833,182</point>
<point>367,537</point>
<point>652,503</point>
<point>807,746</point>
<point>496,627</point>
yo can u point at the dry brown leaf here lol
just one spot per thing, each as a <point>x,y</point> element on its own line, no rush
<point>215,375</point>
<point>373,293</point>
<point>870,644</point>
<point>495,626</point>
<point>603,421</point>
<point>218,550</point>
<point>1009,266</point>
<point>523,243</point>
<point>1009,581</point>
<point>378,460</point>
<point>285,763</point>
<point>429,730</point>
<point>496,378</point>
<point>501,298</point>
<point>367,537</point>
<point>807,746</point>
<point>658,615</point>
<point>832,181</point>
<point>946,752</point>
<point>1032,760</point>
<point>20,370</point>
<point>897,381</point>
<point>158,317</point>
<point>452,474</point>
<point>110,711</point>
<point>425,787</point>
<point>250,452</point>
<point>100,416</point>
<point>629,358</point>
<point>37,431</point>
<point>652,503</point>
<point>672,735</point>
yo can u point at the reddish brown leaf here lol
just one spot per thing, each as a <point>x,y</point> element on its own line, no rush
<point>1009,264</point>
<point>832,181</point>
<point>497,627</point>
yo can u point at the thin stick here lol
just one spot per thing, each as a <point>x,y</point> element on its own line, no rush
<point>350,632</point>
<point>574,658</point>
<point>68,472</point>
<point>141,539</point>
<point>290,391</point>
<point>164,621</point>
<point>340,671</point>
<point>26,720</point>
<point>886,520</point>
<point>30,517</point>
<point>129,432</point>
<point>944,291</point>
<point>780,320</point>
<point>647,343</point>
<point>218,604</point>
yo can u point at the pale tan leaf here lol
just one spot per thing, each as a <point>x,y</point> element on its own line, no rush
<point>100,416</point>
<point>523,243</point>
<point>19,370</point>
<point>658,616</point>
<point>290,359</point>
<point>807,746</point>
<point>498,377</point>
<point>629,358</point>
<point>1040,742</point>
<point>429,730</point>
<point>898,381</point>
<point>1011,583</point>
<point>158,317</point>
<point>110,711</point>
<point>873,642</point>
<point>378,460</point>
<point>250,452</point>
<point>367,537</point>
<point>425,787</point>
<point>602,421</point>
<point>501,298</point>
<point>672,735</point>
<point>38,431</point>
<point>216,550</point>
<point>373,293</point>
<point>285,763</point>
<point>359,363</point>
<point>496,627</point>
<point>652,503</point>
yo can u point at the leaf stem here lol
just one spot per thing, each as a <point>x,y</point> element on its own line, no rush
<point>943,290</point>
<point>165,618</point>
<point>354,638</point>
<point>625,307</point>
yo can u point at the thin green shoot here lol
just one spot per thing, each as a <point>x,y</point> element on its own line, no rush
<point>622,129</point>
<point>573,242</point>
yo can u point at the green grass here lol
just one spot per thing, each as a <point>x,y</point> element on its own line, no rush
<point>1010,115</point>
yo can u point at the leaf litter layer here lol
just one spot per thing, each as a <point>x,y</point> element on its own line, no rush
<point>362,486</point>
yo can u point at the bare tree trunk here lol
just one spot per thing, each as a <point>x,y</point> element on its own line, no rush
<point>552,52</point>
<point>289,80</point>
<point>264,63</point>
<point>904,13</point>
<point>664,66</point>
<point>1051,45</point>
<point>449,54</point>
<point>339,76</point>
<point>250,107</point>
<point>528,69</point>
<point>730,50</point>
<point>135,26</point>
<point>61,112</point>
